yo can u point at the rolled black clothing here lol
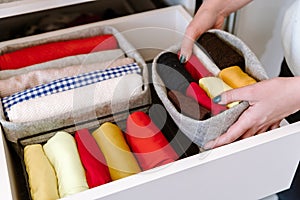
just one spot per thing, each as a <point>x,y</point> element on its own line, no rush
<point>173,73</point>
<point>222,53</point>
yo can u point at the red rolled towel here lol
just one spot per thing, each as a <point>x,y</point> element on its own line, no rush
<point>54,50</point>
<point>147,142</point>
<point>195,68</point>
<point>92,159</point>
<point>197,93</point>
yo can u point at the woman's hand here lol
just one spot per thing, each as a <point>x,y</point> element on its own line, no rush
<point>211,14</point>
<point>270,101</point>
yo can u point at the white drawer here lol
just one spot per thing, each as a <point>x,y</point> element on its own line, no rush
<point>251,169</point>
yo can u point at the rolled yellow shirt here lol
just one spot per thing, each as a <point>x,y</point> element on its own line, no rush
<point>214,86</point>
<point>62,152</point>
<point>41,175</point>
<point>120,160</point>
<point>235,77</point>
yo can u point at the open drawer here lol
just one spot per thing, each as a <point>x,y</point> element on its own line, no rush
<point>251,169</point>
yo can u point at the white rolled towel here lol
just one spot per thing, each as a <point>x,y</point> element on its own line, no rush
<point>62,152</point>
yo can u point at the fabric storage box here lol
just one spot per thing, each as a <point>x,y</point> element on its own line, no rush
<point>202,131</point>
<point>82,113</point>
<point>217,174</point>
<point>172,150</point>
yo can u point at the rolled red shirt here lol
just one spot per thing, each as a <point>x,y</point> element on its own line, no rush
<point>147,142</point>
<point>92,159</point>
<point>55,50</point>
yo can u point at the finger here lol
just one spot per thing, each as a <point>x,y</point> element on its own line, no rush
<point>238,129</point>
<point>275,125</point>
<point>202,21</point>
<point>254,131</point>
<point>186,49</point>
<point>246,93</point>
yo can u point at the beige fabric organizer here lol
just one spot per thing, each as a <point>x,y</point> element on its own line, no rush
<point>40,130</point>
<point>200,132</point>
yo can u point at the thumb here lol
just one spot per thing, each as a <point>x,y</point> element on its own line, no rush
<point>233,95</point>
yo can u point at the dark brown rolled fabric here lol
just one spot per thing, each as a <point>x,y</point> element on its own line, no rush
<point>222,53</point>
<point>188,106</point>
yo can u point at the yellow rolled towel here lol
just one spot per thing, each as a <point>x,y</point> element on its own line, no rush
<point>62,152</point>
<point>235,77</point>
<point>214,86</point>
<point>120,160</point>
<point>41,175</point>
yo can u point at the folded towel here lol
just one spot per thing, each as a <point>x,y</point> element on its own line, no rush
<point>62,152</point>
<point>147,142</point>
<point>120,160</point>
<point>93,161</point>
<point>41,175</point>
<point>54,50</point>
<point>222,53</point>
<point>188,106</point>
<point>214,86</point>
<point>71,102</point>
<point>34,78</point>
<point>68,83</point>
<point>235,77</point>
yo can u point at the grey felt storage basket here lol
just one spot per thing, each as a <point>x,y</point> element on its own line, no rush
<point>41,130</point>
<point>202,131</point>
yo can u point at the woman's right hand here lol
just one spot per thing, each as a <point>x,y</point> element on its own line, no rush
<point>211,14</point>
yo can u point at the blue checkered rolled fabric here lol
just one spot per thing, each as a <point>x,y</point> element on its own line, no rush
<point>69,83</point>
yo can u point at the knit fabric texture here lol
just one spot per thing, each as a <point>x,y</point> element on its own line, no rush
<point>222,53</point>
<point>69,83</point>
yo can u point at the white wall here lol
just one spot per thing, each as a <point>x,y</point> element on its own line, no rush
<point>259,26</point>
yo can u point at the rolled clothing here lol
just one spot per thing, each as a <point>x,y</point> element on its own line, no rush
<point>55,50</point>
<point>222,53</point>
<point>197,93</point>
<point>34,78</point>
<point>81,59</point>
<point>70,102</point>
<point>235,77</point>
<point>214,86</point>
<point>62,152</point>
<point>147,142</point>
<point>188,106</point>
<point>172,72</point>
<point>175,77</point>
<point>196,69</point>
<point>69,83</point>
<point>93,161</point>
<point>41,175</point>
<point>120,160</point>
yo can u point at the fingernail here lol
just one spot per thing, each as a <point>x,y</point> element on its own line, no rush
<point>182,59</point>
<point>217,99</point>
<point>209,145</point>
